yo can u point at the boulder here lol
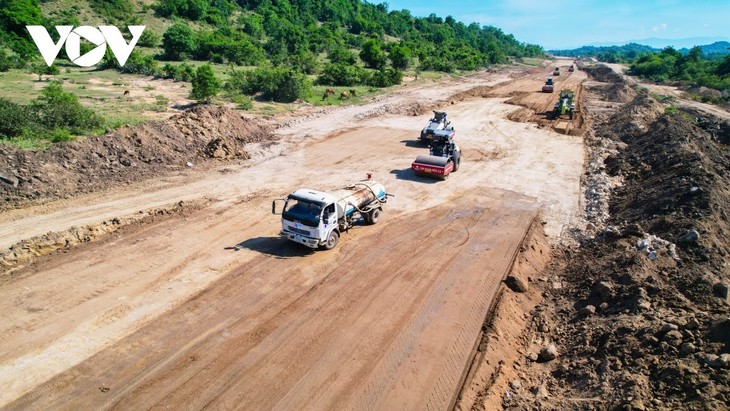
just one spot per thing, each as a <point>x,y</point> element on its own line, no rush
<point>548,353</point>
<point>517,284</point>
<point>690,238</point>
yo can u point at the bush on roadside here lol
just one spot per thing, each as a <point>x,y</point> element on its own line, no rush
<point>280,84</point>
<point>56,115</point>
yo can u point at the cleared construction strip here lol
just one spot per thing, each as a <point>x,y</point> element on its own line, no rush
<point>389,321</point>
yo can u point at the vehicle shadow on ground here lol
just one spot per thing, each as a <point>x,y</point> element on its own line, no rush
<point>273,246</point>
<point>409,175</point>
<point>414,143</point>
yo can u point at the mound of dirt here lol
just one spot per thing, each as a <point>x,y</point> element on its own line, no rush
<point>640,319</point>
<point>603,73</point>
<point>126,155</point>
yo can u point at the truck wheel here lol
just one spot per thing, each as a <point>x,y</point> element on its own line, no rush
<point>373,216</point>
<point>457,163</point>
<point>332,240</point>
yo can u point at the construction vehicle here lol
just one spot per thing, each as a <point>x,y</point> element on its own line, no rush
<point>317,219</point>
<point>571,68</point>
<point>549,86</point>
<point>556,72</point>
<point>444,156</point>
<point>565,104</point>
<point>437,122</point>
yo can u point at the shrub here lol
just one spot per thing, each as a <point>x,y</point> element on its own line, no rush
<point>178,41</point>
<point>56,108</point>
<point>15,118</point>
<point>205,84</point>
<point>339,74</point>
<point>385,78</point>
<point>149,39</point>
<point>281,84</point>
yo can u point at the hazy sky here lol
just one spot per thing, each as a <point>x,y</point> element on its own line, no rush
<point>559,24</point>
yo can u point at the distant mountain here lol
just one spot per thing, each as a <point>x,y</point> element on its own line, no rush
<point>622,53</point>
<point>628,52</point>
<point>661,43</point>
<point>718,48</point>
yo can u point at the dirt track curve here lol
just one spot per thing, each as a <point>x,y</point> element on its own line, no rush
<point>211,308</point>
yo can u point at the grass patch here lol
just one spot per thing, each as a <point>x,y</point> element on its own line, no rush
<point>662,98</point>
<point>530,61</point>
<point>671,111</point>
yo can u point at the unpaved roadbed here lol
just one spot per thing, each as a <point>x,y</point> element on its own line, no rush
<point>210,302</point>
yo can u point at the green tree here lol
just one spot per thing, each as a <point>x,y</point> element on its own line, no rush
<point>400,56</point>
<point>723,69</point>
<point>56,108</point>
<point>178,41</point>
<point>342,55</point>
<point>16,118</point>
<point>385,78</point>
<point>6,63</point>
<point>339,74</point>
<point>205,84</point>
<point>373,55</point>
<point>282,84</point>
<point>14,16</point>
<point>187,72</point>
<point>495,54</point>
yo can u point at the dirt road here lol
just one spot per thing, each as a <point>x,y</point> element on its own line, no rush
<point>359,328</point>
<point>169,313</point>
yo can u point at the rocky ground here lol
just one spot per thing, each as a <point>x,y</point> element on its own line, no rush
<point>636,317</point>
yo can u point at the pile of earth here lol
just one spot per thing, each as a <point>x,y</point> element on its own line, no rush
<point>618,90</point>
<point>637,316</point>
<point>129,154</point>
<point>603,73</point>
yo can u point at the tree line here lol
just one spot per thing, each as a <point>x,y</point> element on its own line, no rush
<point>672,65</point>
<point>315,38</point>
<point>277,49</point>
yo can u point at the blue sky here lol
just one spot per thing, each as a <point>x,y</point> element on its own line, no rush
<point>558,24</point>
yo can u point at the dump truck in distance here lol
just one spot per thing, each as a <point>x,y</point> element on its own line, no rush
<point>317,218</point>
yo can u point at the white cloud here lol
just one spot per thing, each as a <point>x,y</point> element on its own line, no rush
<point>661,27</point>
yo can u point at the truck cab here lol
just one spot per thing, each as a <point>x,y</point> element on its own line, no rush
<point>309,217</point>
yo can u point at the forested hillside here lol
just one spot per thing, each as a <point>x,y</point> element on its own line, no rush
<point>241,51</point>
<point>608,54</point>
<point>331,38</point>
<point>671,65</point>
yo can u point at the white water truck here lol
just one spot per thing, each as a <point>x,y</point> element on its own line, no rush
<point>316,218</point>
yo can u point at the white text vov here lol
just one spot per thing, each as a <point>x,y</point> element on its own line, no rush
<point>71,37</point>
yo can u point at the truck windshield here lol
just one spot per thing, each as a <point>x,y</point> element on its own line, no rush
<point>304,211</point>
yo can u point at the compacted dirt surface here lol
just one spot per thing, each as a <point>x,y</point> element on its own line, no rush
<point>566,264</point>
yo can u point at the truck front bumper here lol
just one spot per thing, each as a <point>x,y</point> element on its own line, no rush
<point>298,238</point>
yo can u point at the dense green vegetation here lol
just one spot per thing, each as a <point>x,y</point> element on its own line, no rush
<point>277,50</point>
<point>293,33</point>
<point>55,115</point>
<point>707,66</point>
<point>671,65</point>
<point>611,54</point>
<point>629,52</point>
